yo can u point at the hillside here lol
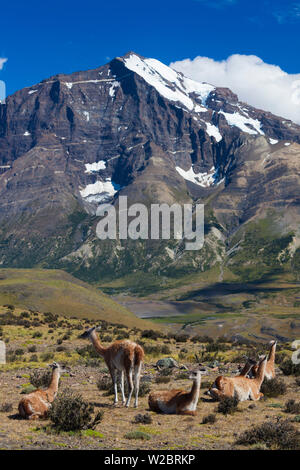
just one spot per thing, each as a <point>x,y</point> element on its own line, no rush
<point>60,293</point>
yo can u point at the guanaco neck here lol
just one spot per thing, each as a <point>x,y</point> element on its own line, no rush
<point>53,387</point>
<point>195,390</point>
<point>247,367</point>
<point>271,357</point>
<point>96,343</point>
<point>260,373</point>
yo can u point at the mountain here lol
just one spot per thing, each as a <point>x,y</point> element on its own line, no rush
<point>136,127</point>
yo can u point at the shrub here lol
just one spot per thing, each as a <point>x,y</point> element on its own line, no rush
<point>162,379</point>
<point>107,339</point>
<point>47,356</point>
<point>143,419</point>
<point>19,352</point>
<point>32,348</point>
<point>138,435</point>
<point>70,412</point>
<point>87,351</point>
<point>24,315</point>
<point>123,335</point>
<point>6,407</point>
<point>292,406</point>
<point>228,405</point>
<point>181,375</point>
<point>40,378</point>
<point>273,388</point>
<point>275,435</point>
<point>165,349</point>
<point>33,358</point>
<point>37,334</point>
<point>298,381</point>
<point>209,419</point>
<point>181,338</point>
<point>150,334</point>
<point>289,368</point>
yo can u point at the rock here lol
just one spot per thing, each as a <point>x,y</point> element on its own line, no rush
<point>166,362</point>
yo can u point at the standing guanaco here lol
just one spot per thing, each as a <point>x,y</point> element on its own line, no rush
<point>121,356</point>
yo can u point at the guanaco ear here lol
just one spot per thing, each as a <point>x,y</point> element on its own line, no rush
<point>98,328</point>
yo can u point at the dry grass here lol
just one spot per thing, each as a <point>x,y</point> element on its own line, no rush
<point>165,431</point>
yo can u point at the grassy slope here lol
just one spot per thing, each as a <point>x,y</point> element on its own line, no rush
<point>59,292</point>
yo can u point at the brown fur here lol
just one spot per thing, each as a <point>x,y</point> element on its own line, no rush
<point>36,405</point>
<point>240,386</point>
<point>124,356</point>
<point>270,367</point>
<point>176,401</point>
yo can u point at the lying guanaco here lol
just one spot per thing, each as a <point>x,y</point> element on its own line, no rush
<point>239,386</point>
<point>270,367</point>
<point>177,401</point>
<point>36,405</point>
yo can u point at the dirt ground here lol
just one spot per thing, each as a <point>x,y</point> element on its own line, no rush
<point>166,431</point>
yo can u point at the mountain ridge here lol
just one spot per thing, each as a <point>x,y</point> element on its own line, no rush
<point>136,127</point>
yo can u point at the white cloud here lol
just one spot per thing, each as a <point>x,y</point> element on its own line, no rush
<point>2,62</point>
<point>259,84</point>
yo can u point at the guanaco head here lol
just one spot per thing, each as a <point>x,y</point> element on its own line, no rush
<point>196,374</point>
<point>60,369</point>
<point>88,332</point>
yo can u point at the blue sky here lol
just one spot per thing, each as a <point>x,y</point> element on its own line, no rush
<point>40,39</point>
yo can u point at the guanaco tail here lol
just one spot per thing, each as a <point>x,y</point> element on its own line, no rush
<point>121,357</point>
<point>177,401</point>
<point>36,405</point>
<point>239,386</point>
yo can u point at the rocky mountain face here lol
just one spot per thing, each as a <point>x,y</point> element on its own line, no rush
<point>136,127</point>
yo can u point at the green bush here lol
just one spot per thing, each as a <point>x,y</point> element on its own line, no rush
<point>162,379</point>
<point>209,419</point>
<point>280,435</point>
<point>143,419</point>
<point>228,405</point>
<point>70,412</point>
<point>138,435</point>
<point>273,388</point>
<point>289,368</point>
<point>40,378</point>
<point>292,406</point>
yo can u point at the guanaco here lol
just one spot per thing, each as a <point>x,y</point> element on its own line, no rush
<point>122,356</point>
<point>239,386</point>
<point>270,367</point>
<point>36,405</point>
<point>177,401</point>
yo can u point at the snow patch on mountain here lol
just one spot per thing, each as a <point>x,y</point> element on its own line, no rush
<point>236,119</point>
<point>94,167</point>
<point>169,83</point>
<point>205,179</point>
<point>100,191</point>
<point>213,131</point>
